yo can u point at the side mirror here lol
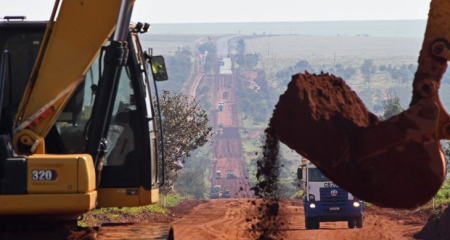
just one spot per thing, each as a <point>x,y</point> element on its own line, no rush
<point>299,173</point>
<point>158,67</point>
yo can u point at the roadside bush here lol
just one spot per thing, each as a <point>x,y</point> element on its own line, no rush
<point>297,195</point>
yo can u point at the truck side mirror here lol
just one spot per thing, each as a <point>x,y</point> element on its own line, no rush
<point>299,173</point>
<point>158,67</point>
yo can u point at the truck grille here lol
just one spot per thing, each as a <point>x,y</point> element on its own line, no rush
<point>331,203</point>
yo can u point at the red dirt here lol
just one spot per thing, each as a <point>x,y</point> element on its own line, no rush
<point>437,227</point>
<point>228,150</point>
<point>229,219</point>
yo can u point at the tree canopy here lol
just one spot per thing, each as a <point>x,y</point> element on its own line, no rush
<point>185,126</point>
<point>391,107</point>
<point>191,182</point>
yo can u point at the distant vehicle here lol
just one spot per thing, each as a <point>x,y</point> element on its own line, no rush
<point>230,173</point>
<point>221,106</point>
<point>218,175</point>
<point>226,194</point>
<point>215,192</point>
<point>220,125</point>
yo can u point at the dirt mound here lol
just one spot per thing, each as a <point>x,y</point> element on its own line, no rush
<point>437,227</point>
<point>322,119</point>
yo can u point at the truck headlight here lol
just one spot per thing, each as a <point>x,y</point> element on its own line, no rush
<point>312,205</point>
<point>311,197</point>
<point>356,204</point>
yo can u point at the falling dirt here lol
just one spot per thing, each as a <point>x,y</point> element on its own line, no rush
<point>437,226</point>
<point>269,222</point>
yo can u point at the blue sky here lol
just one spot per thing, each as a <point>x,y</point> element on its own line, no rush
<point>199,11</point>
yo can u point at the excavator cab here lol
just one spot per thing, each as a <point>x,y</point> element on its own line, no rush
<point>19,44</point>
<point>64,177</point>
<point>130,167</point>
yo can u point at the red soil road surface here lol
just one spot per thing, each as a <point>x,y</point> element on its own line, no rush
<point>233,218</point>
<point>229,219</point>
<point>228,151</point>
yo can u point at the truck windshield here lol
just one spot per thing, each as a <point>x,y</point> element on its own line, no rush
<point>315,175</point>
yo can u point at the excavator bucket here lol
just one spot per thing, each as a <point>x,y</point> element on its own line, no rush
<point>395,163</point>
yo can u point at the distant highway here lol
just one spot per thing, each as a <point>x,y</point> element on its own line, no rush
<point>222,46</point>
<point>225,66</point>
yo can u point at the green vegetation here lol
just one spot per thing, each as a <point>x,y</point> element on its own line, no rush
<point>297,195</point>
<point>255,104</point>
<point>249,122</point>
<point>210,49</point>
<point>179,69</point>
<point>185,125</point>
<point>162,207</point>
<point>192,182</point>
<point>442,197</point>
<point>252,150</point>
<point>391,107</point>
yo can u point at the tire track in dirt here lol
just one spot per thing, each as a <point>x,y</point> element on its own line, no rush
<point>231,219</point>
<point>221,219</point>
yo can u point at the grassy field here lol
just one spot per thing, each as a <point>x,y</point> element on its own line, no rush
<point>167,44</point>
<point>324,52</point>
<point>95,217</point>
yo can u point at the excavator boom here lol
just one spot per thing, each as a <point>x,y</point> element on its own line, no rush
<point>74,35</point>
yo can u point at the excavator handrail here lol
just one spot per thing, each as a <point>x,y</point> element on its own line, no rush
<point>5,72</point>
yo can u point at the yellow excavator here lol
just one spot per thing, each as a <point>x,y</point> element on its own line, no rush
<point>396,163</point>
<point>78,128</point>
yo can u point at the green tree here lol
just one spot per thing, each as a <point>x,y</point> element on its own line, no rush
<point>191,182</point>
<point>251,60</point>
<point>241,52</point>
<point>211,49</point>
<point>367,69</point>
<point>208,46</point>
<point>391,107</point>
<point>185,127</point>
<point>179,68</point>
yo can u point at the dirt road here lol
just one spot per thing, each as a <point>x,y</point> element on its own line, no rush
<point>228,150</point>
<point>228,219</point>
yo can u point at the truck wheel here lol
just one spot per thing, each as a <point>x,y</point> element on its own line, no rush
<point>316,223</point>
<point>351,223</point>
<point>359,222</point>
<point>310,223</point>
